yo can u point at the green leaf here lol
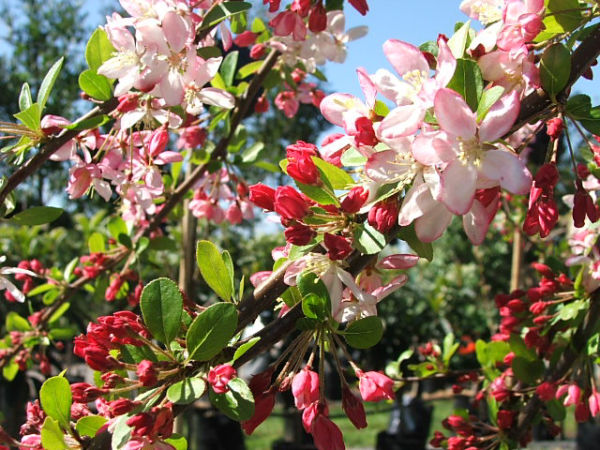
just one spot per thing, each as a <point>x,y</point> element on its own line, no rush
<point>423,249</point>
<point>222,11</point>
<point>178,441</point>
<point>52,436</point>
<point>364,333</point>
<point>56,399</point>
<point>133,354</point>
<point>339,178</point>
<point>41,289</point>
<point>518,347</point>
<point>250,155</point>
<point>571,310</point>
<point>555,68</point>
<point>318,194</point>
<point>98,49</point>
<point>186,391</point>
<point>89,124</point>
<point>89,425</point>
<point>62,334</point>
<point>38,215</point>
<point>556,410</point>
<point>579,106</point>
<point>121,432</point>
<point>593,123</point>
<point>488,98</point>
<point>228,66</point>
<point>213,269</point>
<point>315,307</point>
<point>309,283</point>
<point>352,157</point>
<point>25,100</point>
<point>458,42</point>
<point>368,240</point>
<point>31,117</point>
<point>211,330</point>
<point>237,403</point>
<point>162,304</point>
<point>306,324</point>
<point>490,353</point>
<point>249,69</point>
<point>468,82</point>
<point>96,243</point>
<point>59,312</point>
<point>561,16</point>
<point>48,83</point>
<point>117,227</point>
<point>96,86</point>
<point>239,352</point>
<point>258,26</point>
<point>528,371</point>
<point>14,322</point>
<point>10,370</point>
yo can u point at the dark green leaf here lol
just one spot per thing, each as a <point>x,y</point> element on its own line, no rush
<point>186,391</point>
<point>222,11</point>
<point>555,68</point>
<point>89,124</point>
<point>423,249</point>
<point>37,215</point>
<point>56,399</point>
<point>309,283</point>
<point>315,307</point>
<point>579,106</point>
<point>364,333</point>
<point>162,304</point>
<point>528,371</point>
<point>214,270</point>
<point>98,49</point>
<point>95,85</point>
<point>593,124</point>
<point>306,324</point>
<point>368,240</point>
<point>237,403</point>
<point>211,330</point>
<point>468,82</point>
<point>48,83</point>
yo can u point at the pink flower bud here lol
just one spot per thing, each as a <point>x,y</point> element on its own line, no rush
<point>375,386</point>
<point>245,39</point>
<point>594,402</point>
<point>257,51</point>
<point>220,376</point>
<point>554,128</point>
<point>384,215</point>
<point>326,434</point>
<point>305,388</point>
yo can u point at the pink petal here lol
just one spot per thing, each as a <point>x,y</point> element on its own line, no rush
<point>433,149</point>
<point>458,186</point>
<point>508,169</point>
<point>500,118</point>
<point>392,88</point>
<point>418,201</point>
<point>477,221</point>
<point>398,262</point>
<point>405,57</point>
<point>335,106</point>
<point>446,64</point>
<point>433,224</point>
<point>401,121</point>
<point>217,97</point>
<point>454,115</point>
<point>176,30</point>
<point>367,86</point>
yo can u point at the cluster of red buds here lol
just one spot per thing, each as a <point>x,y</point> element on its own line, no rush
<point>118,280</point>
<point>32,265</point>
<point>93,265</point>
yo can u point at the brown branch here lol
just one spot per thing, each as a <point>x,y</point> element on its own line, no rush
<point>52,145</point>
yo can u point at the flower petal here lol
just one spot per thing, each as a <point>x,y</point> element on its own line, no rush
<point>508,169</point>
<point>458,186</point>
<point>454,115</point>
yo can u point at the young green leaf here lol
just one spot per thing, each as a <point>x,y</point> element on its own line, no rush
<point>48,83</point>
<point>468,82</point>
<point>96,243</point>
<point>339,178</point>
<point>214,270</point>
<point>488,98</point>
<point>222,11</point>
<point>211,330</point>
<point>56,399</point>
<point>38,215</point>
<point>14,322</point>
<point>25,100</point>
<point>162,304</point>
<point>96,86</point>
<point>98,49</point>
<point>52,436</point>
<point>228,67</point>
<point>244,348</point>
<point>89,425</point>
<point>31,117</point>
<point>368,240</point>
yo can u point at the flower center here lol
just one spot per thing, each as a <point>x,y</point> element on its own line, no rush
<point>469,151</point>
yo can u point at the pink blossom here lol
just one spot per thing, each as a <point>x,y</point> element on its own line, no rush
<point>305,388</point>
<point>375,386</point>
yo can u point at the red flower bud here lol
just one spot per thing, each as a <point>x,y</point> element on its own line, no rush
<point>299,234</point>
<point>384,215</point>
<point>505,419</point>
<point>338,247</point>
<point>360,5</point>
<point>257,51</point>
<point>263,196</point>
<point>355,199</point>
<point>289,204</point>
<point>554,128</point>
<point>147,373</point>
<point>245,39</point>
<point>354,409</point>
<point>317,20</point>
<point>546,391</point>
